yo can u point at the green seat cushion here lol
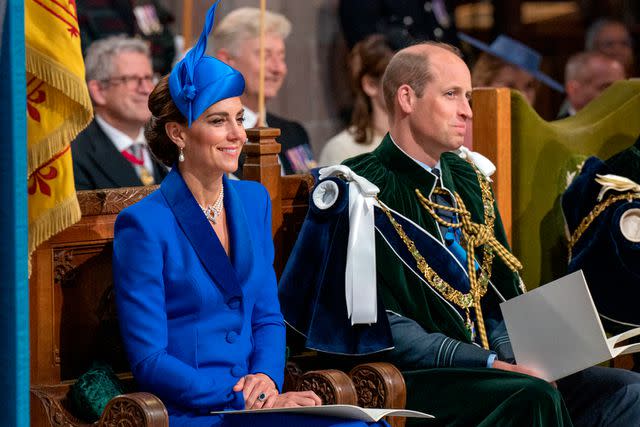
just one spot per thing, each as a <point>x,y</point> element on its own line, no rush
<point>93,390</point>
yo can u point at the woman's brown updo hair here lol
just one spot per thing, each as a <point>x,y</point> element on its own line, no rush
<point>368,57</point>
<point>485,70</point>
<point>163,110</point>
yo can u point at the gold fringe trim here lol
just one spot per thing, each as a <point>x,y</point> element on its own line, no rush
<point>58,76</point>
<point>56,141</point>
<point>72,99</point>
<point>53,221</point>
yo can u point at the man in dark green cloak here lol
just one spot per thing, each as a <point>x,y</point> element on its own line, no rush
<point>449,339</point>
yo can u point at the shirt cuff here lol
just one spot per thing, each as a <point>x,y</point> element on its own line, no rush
<point>492,358</point>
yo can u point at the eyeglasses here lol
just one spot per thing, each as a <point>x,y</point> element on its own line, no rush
<point>132,82</point>
<point>611,43</point>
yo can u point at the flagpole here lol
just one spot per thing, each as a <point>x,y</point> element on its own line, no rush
<point>187,18</point>
<point>14,285</point>
<point>261,109</point>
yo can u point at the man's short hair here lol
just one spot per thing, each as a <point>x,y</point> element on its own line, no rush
<point>577,67</point>
<point>412,69</point>
<point>243,24</point>
<point>98,61</point>
<point>594,30</point>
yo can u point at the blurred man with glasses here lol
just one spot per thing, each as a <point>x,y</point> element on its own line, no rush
<point>613,39</point>
<point>112,152</point>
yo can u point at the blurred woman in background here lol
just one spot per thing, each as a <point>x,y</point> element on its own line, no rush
<point>369,123</point>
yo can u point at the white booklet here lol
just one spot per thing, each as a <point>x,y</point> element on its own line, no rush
<point>341,411</point>
<point>555,329</point>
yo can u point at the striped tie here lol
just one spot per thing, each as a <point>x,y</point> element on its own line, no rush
<point>450,235</point>
<point>444,200</point>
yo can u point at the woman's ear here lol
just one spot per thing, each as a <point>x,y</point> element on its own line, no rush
<point>176,133</point>
<point>370,85</point>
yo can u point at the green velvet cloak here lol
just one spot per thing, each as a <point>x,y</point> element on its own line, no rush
<point>397,176</point>
<point>456,396</point>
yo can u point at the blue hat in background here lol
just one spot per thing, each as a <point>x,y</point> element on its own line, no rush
<point>515,53</point>
<point>199,81</point>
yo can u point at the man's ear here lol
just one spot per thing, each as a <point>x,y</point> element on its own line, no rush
<point>96,91</point>
<point>224,55</point>
<point>175,132</point>
<point>405,97</point>
<point>572,87</point>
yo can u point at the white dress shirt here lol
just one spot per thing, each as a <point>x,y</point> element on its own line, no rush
<point>123,142</point>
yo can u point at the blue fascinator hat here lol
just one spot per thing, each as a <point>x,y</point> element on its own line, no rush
<point>515,53</point>
<point>199,81</point>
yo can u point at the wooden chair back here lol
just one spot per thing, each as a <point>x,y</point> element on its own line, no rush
<point>72,315</point>
<point>289,194</point>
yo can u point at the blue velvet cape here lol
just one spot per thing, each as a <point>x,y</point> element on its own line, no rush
<point>610,262</point>
<point>312,287</point>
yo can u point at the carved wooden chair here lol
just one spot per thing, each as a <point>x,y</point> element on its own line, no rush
<point>73,319</point>
<point>377,385</point>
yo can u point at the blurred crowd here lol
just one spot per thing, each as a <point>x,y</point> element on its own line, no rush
<point>128,45</point>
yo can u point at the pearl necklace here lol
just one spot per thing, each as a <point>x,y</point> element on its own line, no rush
<point>212,212</point>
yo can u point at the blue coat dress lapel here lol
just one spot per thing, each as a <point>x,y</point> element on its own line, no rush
<point>239,232</point>
<point>199,232</point>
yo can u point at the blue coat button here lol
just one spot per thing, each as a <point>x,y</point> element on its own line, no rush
<point>233,303</point>
<point>237,371</point>
<point>232,336</point>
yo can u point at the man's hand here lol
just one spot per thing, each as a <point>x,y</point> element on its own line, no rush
<point>254,386</point>
<point>498,364</point>
<point>293,399</point>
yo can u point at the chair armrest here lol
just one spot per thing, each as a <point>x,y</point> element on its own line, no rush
<point>332,386</point>
<point>135,409</point>
<point>380,385</point>
<point>49,408</point>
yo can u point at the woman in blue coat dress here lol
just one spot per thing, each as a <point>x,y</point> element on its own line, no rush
<point>193,263</point>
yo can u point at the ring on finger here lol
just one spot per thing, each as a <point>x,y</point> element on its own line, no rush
<point>262,397</point>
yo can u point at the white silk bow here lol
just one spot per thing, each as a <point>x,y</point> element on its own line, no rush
<point>616,183</point>
<point>360,274</point>
<point>482,163</point>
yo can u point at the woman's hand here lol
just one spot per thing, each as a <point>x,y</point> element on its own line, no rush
<point>254,386</point>
<point>293,399</point>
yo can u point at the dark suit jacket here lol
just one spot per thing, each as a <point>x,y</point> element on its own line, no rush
<point>402,22</point>
<point>98,164</point>
<point>103,18</point>
<point>292,134</point>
